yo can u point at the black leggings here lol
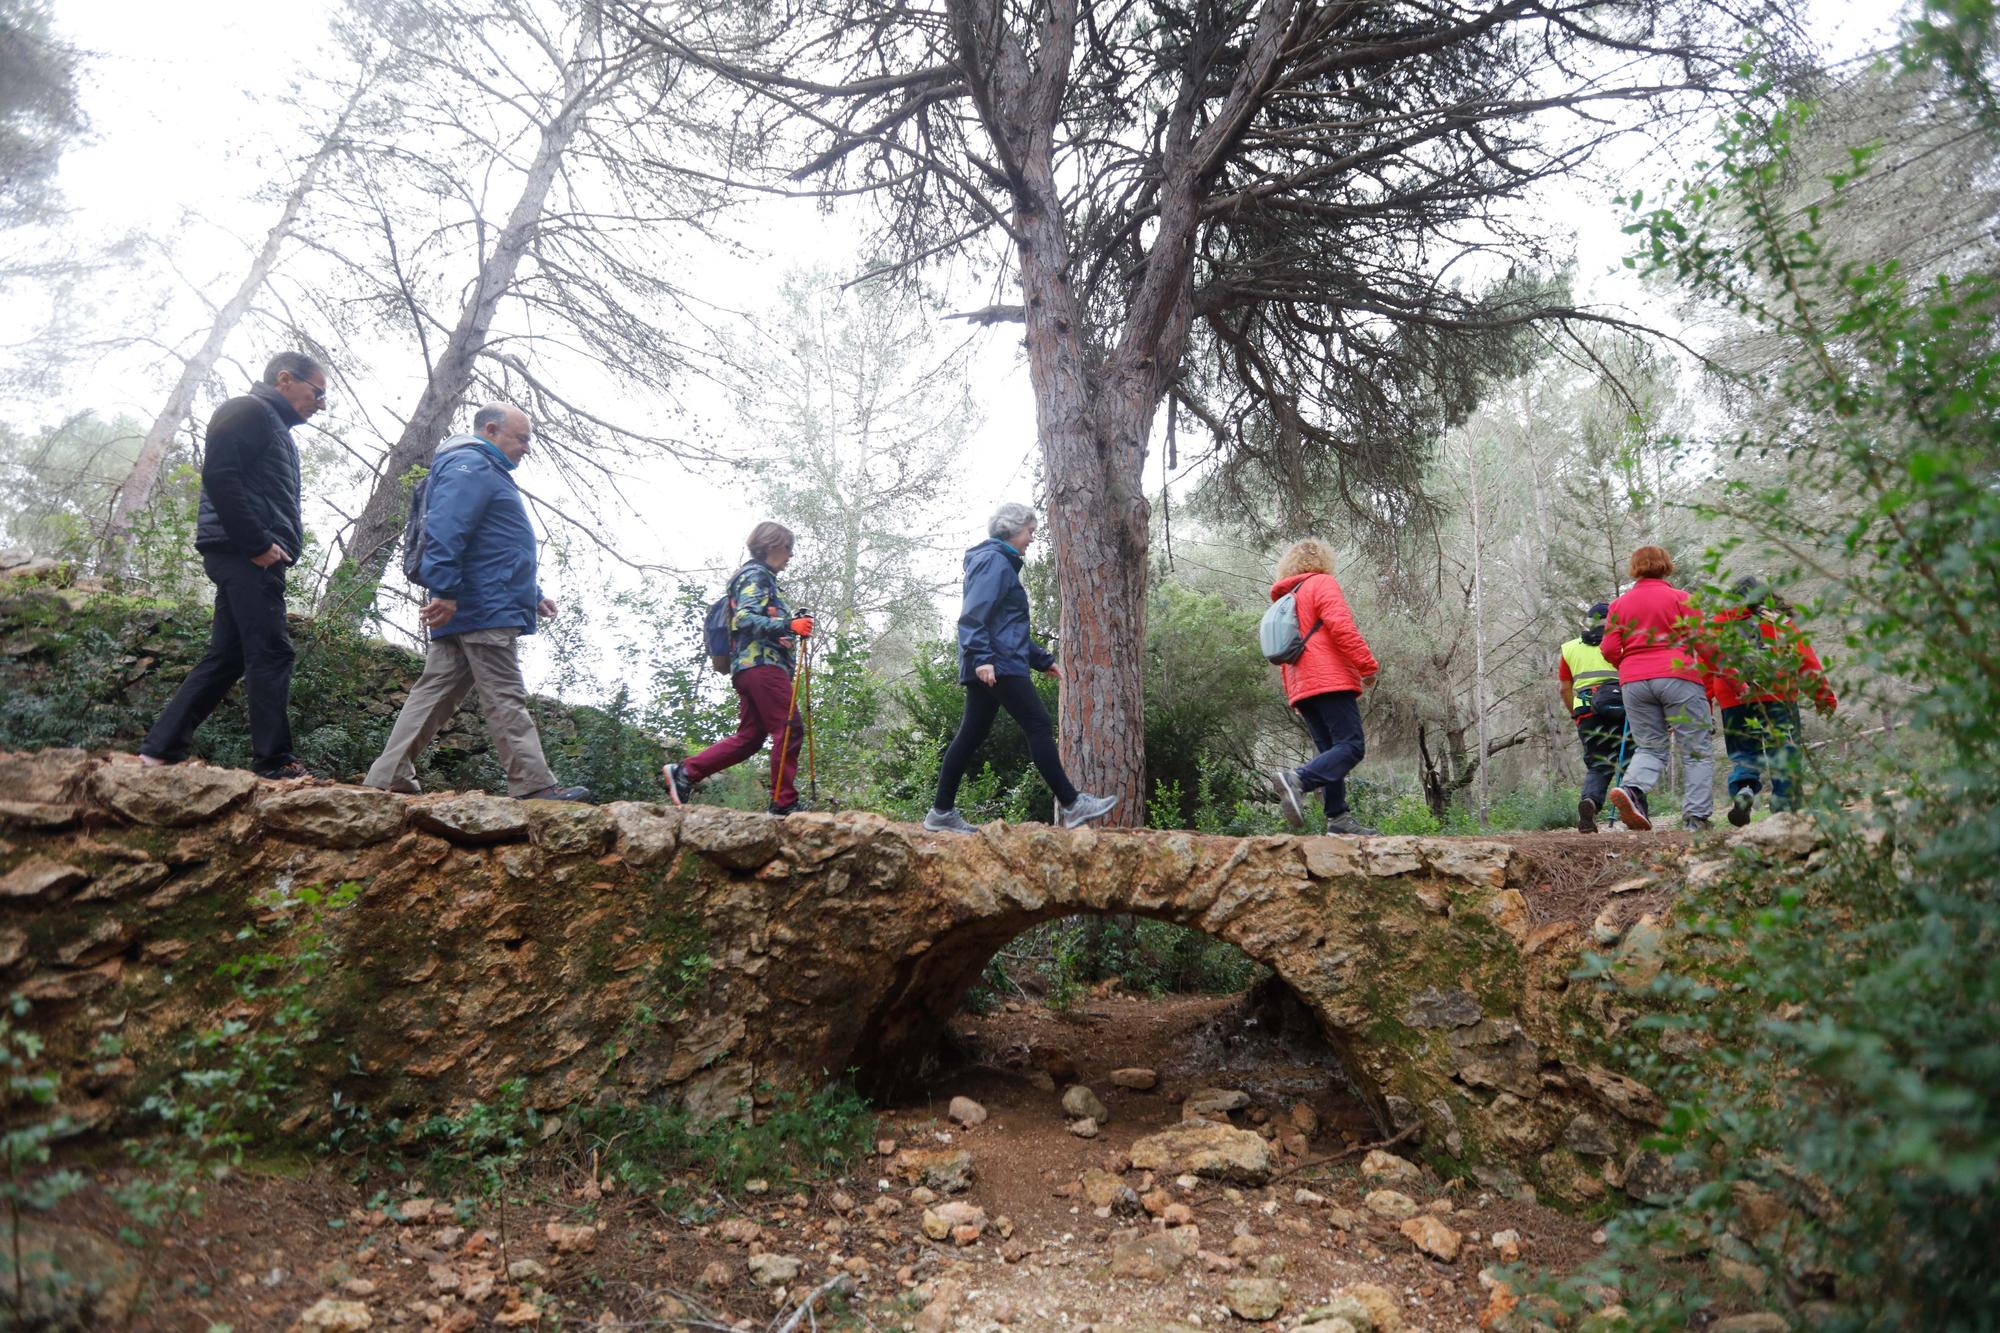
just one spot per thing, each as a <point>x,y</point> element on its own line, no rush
<point>983,703</point>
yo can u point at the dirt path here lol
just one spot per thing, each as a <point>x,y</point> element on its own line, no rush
<point>270,1246</point>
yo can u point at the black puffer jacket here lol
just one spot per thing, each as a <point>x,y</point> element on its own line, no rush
<point>250,477</point>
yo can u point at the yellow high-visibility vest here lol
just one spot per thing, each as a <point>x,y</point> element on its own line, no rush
<point>1587,667</point>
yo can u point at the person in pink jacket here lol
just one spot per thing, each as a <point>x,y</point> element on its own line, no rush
<point>1325,685</point>
<point>1651,635</point>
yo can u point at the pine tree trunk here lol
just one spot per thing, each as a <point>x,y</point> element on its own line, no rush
<point>136,491</point>
<point>380,524</point>
<point>1479,695</point>
<point>1093,421</point>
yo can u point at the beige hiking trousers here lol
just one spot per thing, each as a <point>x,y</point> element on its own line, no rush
<point>487,660</point>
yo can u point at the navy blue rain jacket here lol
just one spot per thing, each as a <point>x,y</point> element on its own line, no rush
<point>993,622</point>
<point>479,549</point>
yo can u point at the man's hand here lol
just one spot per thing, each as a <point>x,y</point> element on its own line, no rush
<point>546,608</point>
<point>802,626</point>
<point>986,675</point>
<point>265,559</point>
<point>1052,670</point>
<point>437,612</point>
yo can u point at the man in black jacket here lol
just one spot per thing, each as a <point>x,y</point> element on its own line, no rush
<point>249,530</point>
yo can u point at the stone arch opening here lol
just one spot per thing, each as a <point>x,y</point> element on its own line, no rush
<point>907,1039</point>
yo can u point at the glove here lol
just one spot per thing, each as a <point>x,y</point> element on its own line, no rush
<point>802,626</point>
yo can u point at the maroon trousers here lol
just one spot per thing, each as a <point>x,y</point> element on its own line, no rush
<point>763,708</point>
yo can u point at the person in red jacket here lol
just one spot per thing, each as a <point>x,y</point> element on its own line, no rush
<point>1325,685</point>
<point>1762,664</point>
<point>1651,635</point>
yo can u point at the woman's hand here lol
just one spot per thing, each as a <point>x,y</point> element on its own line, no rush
<point>986,674</point>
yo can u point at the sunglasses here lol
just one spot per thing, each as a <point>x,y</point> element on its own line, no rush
<point>319,394</point>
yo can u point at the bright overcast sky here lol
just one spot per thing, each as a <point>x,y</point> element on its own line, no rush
<point>183,101</point>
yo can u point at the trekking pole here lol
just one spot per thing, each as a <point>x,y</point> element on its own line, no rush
<point>785,732</point>
<point>812,769</point>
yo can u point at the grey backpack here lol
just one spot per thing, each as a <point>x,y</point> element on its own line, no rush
<point>1278,636</point>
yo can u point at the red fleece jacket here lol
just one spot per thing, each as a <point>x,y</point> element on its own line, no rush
<point>1650,633</point>
<point>1793,667</point>
<point>1336,658</point>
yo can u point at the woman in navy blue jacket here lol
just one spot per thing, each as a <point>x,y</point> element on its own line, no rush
<point>996,655</point>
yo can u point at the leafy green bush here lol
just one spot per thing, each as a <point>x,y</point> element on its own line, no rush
<point>1061,959</point>
<point>95,670</point>
<point>659,1151</point>
<point>1840,1089</point>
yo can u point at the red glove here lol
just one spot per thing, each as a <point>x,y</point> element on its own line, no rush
<point>803,627</point>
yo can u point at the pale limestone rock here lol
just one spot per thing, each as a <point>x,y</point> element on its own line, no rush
<point>1431,1236</point>
<point>1254,1298</point>
<point>1391,1204</point>
<point>1218,1152</point>
<point>345,817</point>
<point>178,796</point>
<point>1080,1103</point>
<point>1380,1165</point>
<point>334,1316</point>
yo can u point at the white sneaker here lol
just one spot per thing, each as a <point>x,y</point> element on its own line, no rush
<point>1291,796</point>
<point>1084,809</point>
<point>946,821</point>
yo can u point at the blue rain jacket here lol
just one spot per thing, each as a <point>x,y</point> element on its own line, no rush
<point>479,548</point>
<point>993,621</point>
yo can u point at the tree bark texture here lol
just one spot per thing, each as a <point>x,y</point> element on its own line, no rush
<point>451,376</point>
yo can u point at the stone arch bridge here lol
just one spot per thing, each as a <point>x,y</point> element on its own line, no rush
<point>711,956</point>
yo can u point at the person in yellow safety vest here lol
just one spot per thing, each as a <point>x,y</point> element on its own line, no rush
<point>1597,706</point>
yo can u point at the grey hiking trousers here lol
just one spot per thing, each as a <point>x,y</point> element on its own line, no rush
<point>1653,709</point>
<point>487,660</point>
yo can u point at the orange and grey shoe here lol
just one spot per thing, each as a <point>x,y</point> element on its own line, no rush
<point>678,786</point>
<point>1631,806</point>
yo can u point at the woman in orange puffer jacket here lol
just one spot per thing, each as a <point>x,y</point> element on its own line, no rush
<point>1325,685</point>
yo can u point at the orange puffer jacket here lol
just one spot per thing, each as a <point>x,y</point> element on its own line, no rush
<point>1336,658</point>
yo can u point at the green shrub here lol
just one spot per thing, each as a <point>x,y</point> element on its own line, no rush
<point>1845,1057</point>
<point>658,1151</point>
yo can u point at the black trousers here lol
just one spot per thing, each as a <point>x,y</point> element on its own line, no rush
<point>983,703</point>
<point>1600,756</point>
<point>249,642</point>
<point>1334,719</point>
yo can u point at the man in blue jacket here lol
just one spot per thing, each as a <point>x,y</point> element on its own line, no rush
<point>249,531</point>
<point>479,564</point>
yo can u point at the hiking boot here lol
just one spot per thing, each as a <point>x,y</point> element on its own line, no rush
<point>1695,823</point>
<point>1291,796</point>
<point>675,777</point>
<point>1739,807</point>
<point>782,810</point>
<point>289,771</point>
<point>1347,826</point>
<point>1586,816</point>
<point>153,761</point>
<point>946,821</point>
<point>552,792</point>
<point>1084,809</point>
<point>1631,805</point>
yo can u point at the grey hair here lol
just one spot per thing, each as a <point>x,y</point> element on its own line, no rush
<point>296,364</point>
<point>1009,520</point>
<point>490,415</point>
